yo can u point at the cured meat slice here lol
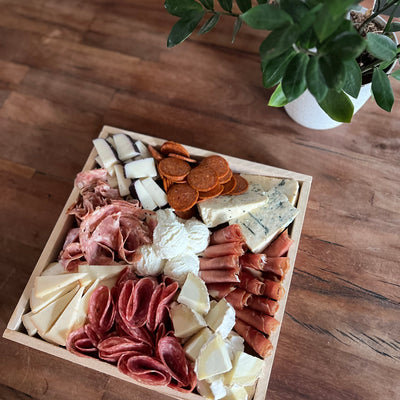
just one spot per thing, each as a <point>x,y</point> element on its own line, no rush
<point>224,249</point>
<point>101,313</point>
<point>273,289</point>
<point>224,262</point>
<point>277,266</point>
<point>86,179</point>
<point>141,334</point>
<point>144,369</point>
<point>112,348</point>
<point>238,298</point>
<point>263,304</point>
<point>154,303</point>
<point>260,321</point>
<point>231,233</point>
<point>80,344</point>
<point>72,236</point>
<point>250,283</point>
<point>280,245</point>
<point>71,256</point>
<point>261,344</point>
<point>220,290</point>
<point>219,276</point>
<point>162,312</point>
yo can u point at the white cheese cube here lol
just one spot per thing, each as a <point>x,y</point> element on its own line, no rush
<point>105,153</point>
<point>157,194</point>
<point>203,387</point>
<point>236,393</point>
<point>144,197</point>
<point>125,147</point>
<point>53,283</point>
<point>193,346</point>
<point>194,294</point>
<point>261,225</point>
<point>213,358</point>
<point>186,321</point>
<point>245,370</point>
<point>29,325</point>
<point>123,183</point>
<point>224,208</point>
<point>144,151</point>
<point>141,168</point>
<point>221,318</point>
<point>235,343</point>
<point>218,388</point>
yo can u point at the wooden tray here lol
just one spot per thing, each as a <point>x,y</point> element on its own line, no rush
<point>15,330</point>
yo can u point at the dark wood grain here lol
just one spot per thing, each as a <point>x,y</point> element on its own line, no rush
<point>67,67</point>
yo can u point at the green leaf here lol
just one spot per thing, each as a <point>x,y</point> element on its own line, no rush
<point>244,5</point>
<point>382,90</point>
<point>209,4</point>
<point>278,98</point>
<point>394,27</point>
<point>294,78</point>
<point>295,8</point>
<point>338,8</point>
<point>338,106</point>
<point>180,8</point>
<point>325,24</point>
<point>353,81</point>
<point>184,28</point>
<point>333,70</point>
<point>273,69</point>
<point>265,16</point>
<point>346,45</point>
<point>262,1</point>
<point>315,80</point>
<point>396,74</point>
<point>209,24</point>
<point>278,41</point>
<point>226,4</point>
<point>381,47</point>
<point>236,28</point>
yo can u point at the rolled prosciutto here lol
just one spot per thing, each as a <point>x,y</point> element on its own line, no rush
<point>277,266</point>
<point>258,320</point>
<point>263,304</point>
<point>273,289</point>
<point>231,233</point>
<point>250,283</point>
<point>238,298</point>
<point>280,246</point>
<point>225,262</point>
<point>256,340</point>
<point>219,276</point>
<point>220,290</point>
<point>224,249</point>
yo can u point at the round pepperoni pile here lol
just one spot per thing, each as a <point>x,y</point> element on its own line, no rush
<point>188,182</point>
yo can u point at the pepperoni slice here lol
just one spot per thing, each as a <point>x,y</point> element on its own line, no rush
<point>155,153</point>
<point>229,186</point>
<point>202,178</point>
<point>182,197</point>
<point>218,164</point>
<point>241,185</point>
<point>173,147</point>
<point>173,169</point>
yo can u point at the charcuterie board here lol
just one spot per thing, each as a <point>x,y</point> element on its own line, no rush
<point>15,330</point>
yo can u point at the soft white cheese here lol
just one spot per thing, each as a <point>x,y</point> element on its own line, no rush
<point>194,294</point>
<point>221,318</point>
<point>262,225</point>
<point>105,153</point>
<point>198,235</point>
<point>124,146</point>
<point>179,267</point>
<point>236,392</point>
<point>235,343</point>
<point>186,321</point>
<point>224,208</point>
<point>245,370</point>
<point>218,388</point>
<point>141,168</point>
<point>193,346</point>
<point>150,264</point>
<point>157,194</point>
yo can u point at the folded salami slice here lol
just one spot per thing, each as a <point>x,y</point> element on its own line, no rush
<point>219,276</point>
<point>220,290</point>
<point>72,236</point>
<point>163,307</point>
<point>258,320</point>
<point>263,304</point>
<point>256,340</point>
<point>71,256</point>
<point>141,334</point>
<point>112,348</point>
<point>86,179</point>
<point>231,233</point>
<point>224,249</point>
<point>250,283</point>
<point>101,313</point>
<point>238,298</point>
<point>144,369</point>
<point>280,246</point>
<point>273,289</point>
<point>154,303</point>
<point>224,262</point>
<point>80,344</point>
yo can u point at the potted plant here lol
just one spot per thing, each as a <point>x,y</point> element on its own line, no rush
<point>326,51</point>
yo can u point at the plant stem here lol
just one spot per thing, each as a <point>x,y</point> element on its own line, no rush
<point>378,12</point>
<point>391,18</point>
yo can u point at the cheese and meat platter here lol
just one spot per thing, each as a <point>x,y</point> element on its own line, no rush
<point>169,267</point>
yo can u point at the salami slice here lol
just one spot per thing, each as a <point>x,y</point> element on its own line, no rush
<point>231,233</point>
<point>80,344</point>
<point>101,313</point>
<point>225,249</point>
<point>71,256</point>
<point>86,179</point>
<point>112,348</point>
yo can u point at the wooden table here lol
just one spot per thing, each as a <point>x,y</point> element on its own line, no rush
<point>67,67</point>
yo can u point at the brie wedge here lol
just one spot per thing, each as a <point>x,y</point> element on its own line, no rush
<point>194,294</point>
<point>186,321</point>
<point>245,370</point>
<point>221,318</point>
<point>193,346</point>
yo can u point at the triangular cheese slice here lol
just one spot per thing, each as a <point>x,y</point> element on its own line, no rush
<point>63,326</point>
<point>29,326</point>
<point>54,269</point>
<point>38,303</point>
<point>45,318</point>
<point>101,271</point>
<point>84,306</point>
<point>53,283</point>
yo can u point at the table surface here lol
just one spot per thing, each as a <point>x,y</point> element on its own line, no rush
<point>68,67</point>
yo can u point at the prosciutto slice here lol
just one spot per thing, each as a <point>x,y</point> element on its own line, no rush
<point>277,266</point>
<point>273,289</point>
<point>224,262</point>
<point>101,313</point>
<point>263,304</point>
<point>238,298</point>
<point>261,344</point>
<point>219,276</point>
<point>112,348</point>
<point>250,283</point>
<point>260,321</point>
<point>280,246</point>
<point>224,249</point>
<point>231,233</point>
<point>220,290</point>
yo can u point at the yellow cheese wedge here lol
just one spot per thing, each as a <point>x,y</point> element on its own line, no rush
<point>213,358</point>
<point>245,370</point>
<point>45,318</point>
<point>63,326</point>
<point>194,294</point>
<point>186,321</point>
<point>193,346</point>
<point>101,271</point>
<point>53,283</point>
<point>29,326</point>
<point>54,269</point>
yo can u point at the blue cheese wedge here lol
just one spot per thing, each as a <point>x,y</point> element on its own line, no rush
<point>193,346</point>
<point>186,321</point>
<point>222,209</point>
<point>213,358</point>
<point>261,225</point>
<point>263,184</point>
<point>245,370</point>
<point>221,318</point>
<point>194,294</point>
